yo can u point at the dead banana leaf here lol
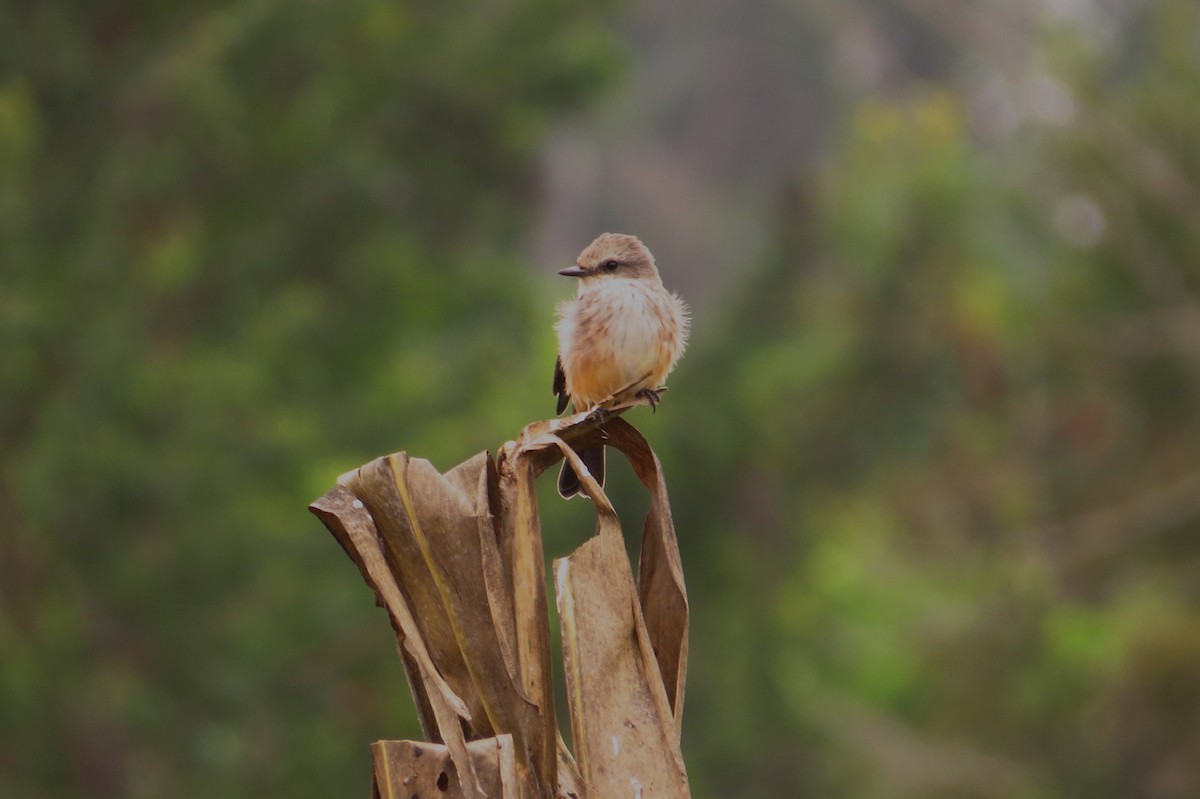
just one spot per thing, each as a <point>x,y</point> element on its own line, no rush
<point>439,537</point>
<point>457,560</point>
<point>661,590</point>
<point>404,769</point>
<point>353,526</point>
<point>660,571</point>
<point>626,739</point>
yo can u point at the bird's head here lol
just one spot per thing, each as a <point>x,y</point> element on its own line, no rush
<point>613,256</point>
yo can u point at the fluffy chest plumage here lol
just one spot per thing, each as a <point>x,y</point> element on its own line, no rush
<point>619,335</point>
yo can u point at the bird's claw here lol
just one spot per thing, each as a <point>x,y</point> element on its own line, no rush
<point>652,396</point>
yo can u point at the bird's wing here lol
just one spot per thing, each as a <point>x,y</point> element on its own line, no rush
<point>560,386</point>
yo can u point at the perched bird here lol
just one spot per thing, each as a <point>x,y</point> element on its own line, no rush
<point>617,340</point>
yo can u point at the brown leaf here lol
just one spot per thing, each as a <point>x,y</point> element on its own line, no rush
<point>661,589</point>
<point>521,543</point>
<point>626,741</point>
<point>347,517</point>
<point>375,485</point>
<point>404,769</point>
<point>457,560</point>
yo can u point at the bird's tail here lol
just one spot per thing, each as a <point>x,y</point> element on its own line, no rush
<point>568,481</point>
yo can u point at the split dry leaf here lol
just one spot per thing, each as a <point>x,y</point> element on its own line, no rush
<point>436,530</point>
<point>661,590</point>
<point>354,528</point>
<point>457,560</point>
<point>417,770</point>
<point>626,738</point>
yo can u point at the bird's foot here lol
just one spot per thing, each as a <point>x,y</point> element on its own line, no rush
<point>652,397</point>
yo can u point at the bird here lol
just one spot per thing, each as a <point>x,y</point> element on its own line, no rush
<point>618,339</point>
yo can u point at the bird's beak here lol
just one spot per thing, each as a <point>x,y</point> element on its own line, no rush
<point>573,271</point>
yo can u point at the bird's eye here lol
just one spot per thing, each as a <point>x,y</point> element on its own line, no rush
<point>610,265</point>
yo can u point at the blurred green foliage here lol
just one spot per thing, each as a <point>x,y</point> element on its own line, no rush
<point>936,463</point>
<point>244,247</point>
<point>956,450</point>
